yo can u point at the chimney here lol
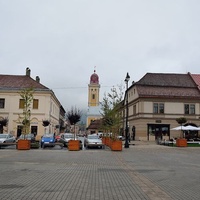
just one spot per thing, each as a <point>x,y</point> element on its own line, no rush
<point>37,79</point>
<point>28,72</point>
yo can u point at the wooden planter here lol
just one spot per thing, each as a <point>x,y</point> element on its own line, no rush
<point>116,145</point>
<point>23,144</point>
<point>104,140</point>
<point>181,142</point>
<point>107,141</point>
<point>74,145</point>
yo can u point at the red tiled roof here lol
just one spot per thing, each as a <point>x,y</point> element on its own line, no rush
<point>95,124</point>
<point>168,80</point>
<point>196,78</point>
<point>167,92</point>
<point>167,86</point>
<point>19,82</point>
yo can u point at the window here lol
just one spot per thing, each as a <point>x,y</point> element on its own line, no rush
<point>35,103</point>
<point>158,108</point>
<point>2,103</point>
<point>21,103</point>
<point>189,109</point>
<point>134,109</point>
<point>93,96</point>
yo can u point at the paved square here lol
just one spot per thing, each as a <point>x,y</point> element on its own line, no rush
<point>143,171</point>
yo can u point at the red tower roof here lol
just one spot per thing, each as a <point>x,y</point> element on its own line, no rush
<point>94,78</point>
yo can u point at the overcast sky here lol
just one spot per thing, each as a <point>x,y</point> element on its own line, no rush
<point>61,41</point>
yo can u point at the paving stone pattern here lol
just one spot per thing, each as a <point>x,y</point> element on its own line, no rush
<point>144,171</point>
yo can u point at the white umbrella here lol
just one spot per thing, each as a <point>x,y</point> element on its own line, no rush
<point>191,128</point>
<point>177,128</point>
<point>186,128</point>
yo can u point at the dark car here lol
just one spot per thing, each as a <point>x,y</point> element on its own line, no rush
<point>29,136</point>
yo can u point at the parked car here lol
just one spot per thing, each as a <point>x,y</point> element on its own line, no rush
<point>48,140</point>
<point>93,141</point>
<point>66,137</point>
<point>61,139</point>
<point>58,137</point>
<point>7,138</point>
<point>29,136</point>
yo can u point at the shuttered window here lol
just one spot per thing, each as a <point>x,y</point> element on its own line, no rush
<point>35,103</point>
<point>21,103</point>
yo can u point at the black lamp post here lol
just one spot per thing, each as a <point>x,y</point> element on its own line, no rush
<point>126,145</point>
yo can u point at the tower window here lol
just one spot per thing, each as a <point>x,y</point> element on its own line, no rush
<point>93,96</point>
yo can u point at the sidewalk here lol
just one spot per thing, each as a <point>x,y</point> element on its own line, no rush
<point>142,171</point>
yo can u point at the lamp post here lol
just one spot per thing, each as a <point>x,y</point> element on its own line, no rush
<point>126,145</point>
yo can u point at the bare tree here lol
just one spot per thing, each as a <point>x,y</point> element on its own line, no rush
<point>74,116</point>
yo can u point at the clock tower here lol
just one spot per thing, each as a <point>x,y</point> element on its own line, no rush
<point>93,90</point>
<point>93,112</point>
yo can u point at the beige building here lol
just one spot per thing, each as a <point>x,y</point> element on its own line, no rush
<point>157,100</point>
<point>45,105</point>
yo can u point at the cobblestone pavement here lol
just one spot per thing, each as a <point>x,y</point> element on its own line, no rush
<point>143,171</point>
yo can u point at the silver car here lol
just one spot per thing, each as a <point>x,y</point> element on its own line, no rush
<point>7,138</point>
<point>93,141</point>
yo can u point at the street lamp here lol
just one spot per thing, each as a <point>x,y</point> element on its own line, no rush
<point>126,145</point>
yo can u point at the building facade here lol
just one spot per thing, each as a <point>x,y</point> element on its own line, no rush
<point>157,100</point>
<point>45,105</point>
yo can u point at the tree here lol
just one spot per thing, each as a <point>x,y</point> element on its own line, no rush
<point>27,99</point>
<point>74,116</point>
<point>181,121</point>
<point>110,106</point>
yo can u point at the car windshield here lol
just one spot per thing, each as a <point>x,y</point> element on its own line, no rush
<point>68,136</point>
<point>48,136</point>
<point>93,137</point>
<point>3,136</point>
<point>25,136</point>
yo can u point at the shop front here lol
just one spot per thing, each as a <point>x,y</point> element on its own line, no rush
<point>158,131</point>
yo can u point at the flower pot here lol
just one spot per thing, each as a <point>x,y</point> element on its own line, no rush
<point>116,145</point>
<point>23,144</point>
<point>181,142</point>
<point>74,145</point>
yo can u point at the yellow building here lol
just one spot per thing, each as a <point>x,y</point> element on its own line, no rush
<point>94,111</point>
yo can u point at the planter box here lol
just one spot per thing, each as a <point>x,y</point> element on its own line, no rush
<point>181,143</point>
<point>116,145</point>
<point>23,144</point>
<point>108,141</point>
<point>74,145</point>
<point>104,140</point>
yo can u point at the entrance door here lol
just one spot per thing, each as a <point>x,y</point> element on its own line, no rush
<point>34,130</point>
